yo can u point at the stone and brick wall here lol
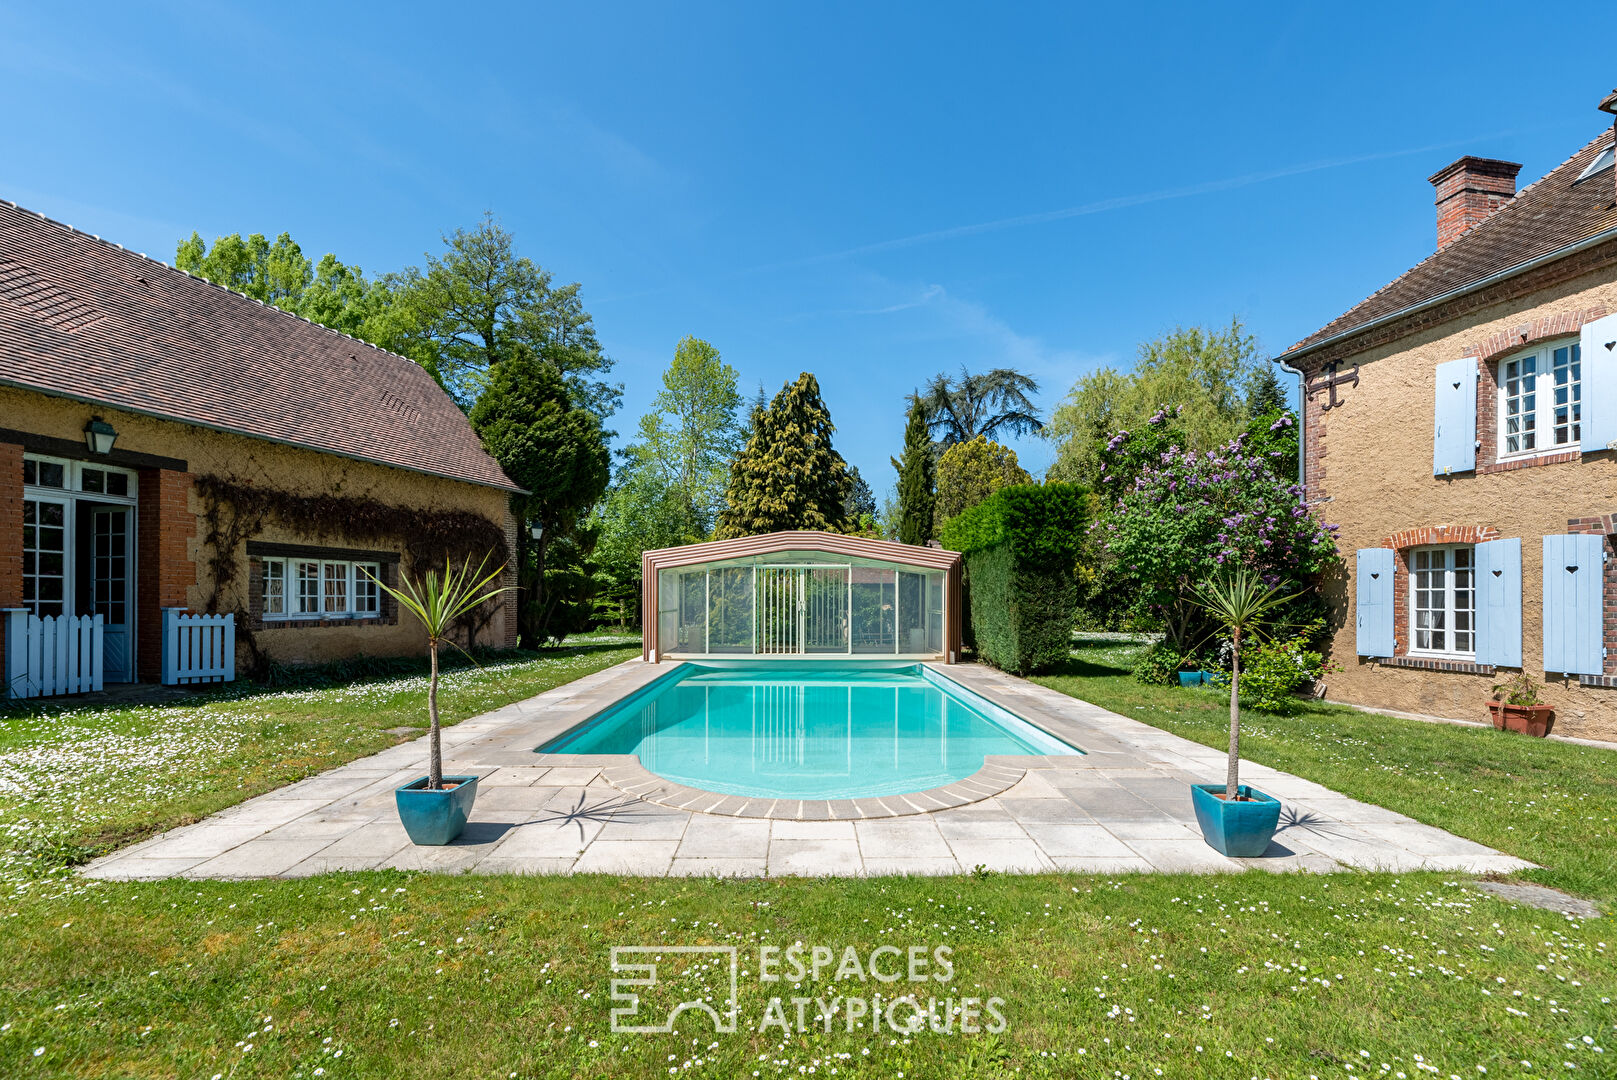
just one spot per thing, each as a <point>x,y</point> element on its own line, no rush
<point>10,526</point>
<point>1369,470</point>
<point>172,568</point>
<point>165,560</point>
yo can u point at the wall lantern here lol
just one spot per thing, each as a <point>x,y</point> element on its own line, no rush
<point>99,436</point>
<point>537,532</point>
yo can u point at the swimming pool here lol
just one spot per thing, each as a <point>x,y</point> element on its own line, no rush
<point>763,730</point>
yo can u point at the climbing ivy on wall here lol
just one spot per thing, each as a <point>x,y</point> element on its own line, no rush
<point>234,512</point>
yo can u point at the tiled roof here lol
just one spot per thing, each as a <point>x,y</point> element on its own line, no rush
<point>1552,214</point>
<point>86,319</point>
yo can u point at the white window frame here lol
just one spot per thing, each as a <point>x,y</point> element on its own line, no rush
<point>1544,405</point>
<point>1450,609</point>
<point>351,579</point>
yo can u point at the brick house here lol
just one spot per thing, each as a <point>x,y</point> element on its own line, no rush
<point>168,443</point>
<point>1459,426</point>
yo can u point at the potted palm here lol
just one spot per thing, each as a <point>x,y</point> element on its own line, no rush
<point>1515,707</point>
<point>1235,819</point>
<point>434,808</point>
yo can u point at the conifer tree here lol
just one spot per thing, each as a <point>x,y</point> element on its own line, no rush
<point>788,476</point>
<point>917,483</point>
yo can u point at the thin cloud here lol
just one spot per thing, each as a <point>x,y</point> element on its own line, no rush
<point>1119,202</point>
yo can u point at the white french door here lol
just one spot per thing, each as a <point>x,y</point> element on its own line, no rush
<point>78,548</point>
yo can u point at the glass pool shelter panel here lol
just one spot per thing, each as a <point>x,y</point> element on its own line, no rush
<point>802,595</point>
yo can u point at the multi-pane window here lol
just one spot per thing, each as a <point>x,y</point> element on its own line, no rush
<point>44,556</point>
<point>367,597</point>
<point>274,587</point>
<point>1566,370</point>
<point>323,588</point>
<point>1535,416</point>
<point>308,574</point>
<point>1442,584</point>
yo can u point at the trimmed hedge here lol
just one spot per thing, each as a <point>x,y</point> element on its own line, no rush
<point>1021,549</point>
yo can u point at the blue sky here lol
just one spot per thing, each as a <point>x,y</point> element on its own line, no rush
<point>872,192</point>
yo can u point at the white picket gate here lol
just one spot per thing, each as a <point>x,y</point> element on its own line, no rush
<point>198,648</point>
<point>59,654</point>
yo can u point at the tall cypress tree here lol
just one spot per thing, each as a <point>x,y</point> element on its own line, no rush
<point>917,482</point>
<point>788,476</point>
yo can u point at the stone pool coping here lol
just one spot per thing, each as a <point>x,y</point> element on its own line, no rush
<point>1122,806</point>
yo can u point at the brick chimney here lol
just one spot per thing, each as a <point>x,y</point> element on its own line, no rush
<point>1468,191</point>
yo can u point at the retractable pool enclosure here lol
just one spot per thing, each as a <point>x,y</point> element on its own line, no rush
<point>801,595</point>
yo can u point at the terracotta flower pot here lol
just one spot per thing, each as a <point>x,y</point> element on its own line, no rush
<point>1534,720</point>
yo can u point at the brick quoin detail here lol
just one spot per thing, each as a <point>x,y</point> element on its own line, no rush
<point>1604,525</point>
<point>10,525</point>
<point>1424,536</point>
<point>166,570</point>
<point>10,531</point>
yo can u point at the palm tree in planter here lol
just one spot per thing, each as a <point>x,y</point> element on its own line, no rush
<point>1242,823</point>
<point>434,808</point>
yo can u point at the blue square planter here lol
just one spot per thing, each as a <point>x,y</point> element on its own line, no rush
<point>1192,678</point>
<point>434,818</point>
<point>1239,829</point>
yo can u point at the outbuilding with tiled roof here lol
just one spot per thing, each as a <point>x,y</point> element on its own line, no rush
<point>180,464</point>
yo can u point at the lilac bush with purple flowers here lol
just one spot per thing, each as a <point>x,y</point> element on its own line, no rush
<point>1176,519</point>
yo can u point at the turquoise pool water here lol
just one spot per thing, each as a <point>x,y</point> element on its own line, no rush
<point>807,732</point>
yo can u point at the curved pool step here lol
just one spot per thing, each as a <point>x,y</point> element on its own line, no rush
<point>994,778</point>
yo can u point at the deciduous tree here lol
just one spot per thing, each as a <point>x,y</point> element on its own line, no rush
<point>971,471</point>
<point>1197,374</point>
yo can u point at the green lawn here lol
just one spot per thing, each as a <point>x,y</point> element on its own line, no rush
<point>1552,803</point>
<point>384,974</point>
<point>77,781</point>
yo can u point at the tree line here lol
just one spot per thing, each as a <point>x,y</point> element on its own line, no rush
<point>519,352</point>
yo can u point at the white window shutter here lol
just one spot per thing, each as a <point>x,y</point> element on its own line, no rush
<point>1454,440</point>
<point>1599,362</point>
<point>1373,630</point>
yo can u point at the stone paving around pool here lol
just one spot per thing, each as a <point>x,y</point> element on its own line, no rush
<point>1122,806</point>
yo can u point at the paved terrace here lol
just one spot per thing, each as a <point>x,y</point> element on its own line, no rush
<point>1122,806</point>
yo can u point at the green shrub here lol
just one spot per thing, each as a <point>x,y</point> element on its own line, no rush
<point>1276,668</point>
<point>1021,550</point>
<point>1159,665</point>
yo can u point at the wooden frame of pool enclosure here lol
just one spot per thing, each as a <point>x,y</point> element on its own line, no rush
<point>801,596</point>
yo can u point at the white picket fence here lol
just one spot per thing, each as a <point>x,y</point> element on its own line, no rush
<point>59,654</point>
<point>198,648</point>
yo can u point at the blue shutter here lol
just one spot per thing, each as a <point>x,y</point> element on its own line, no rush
<point>1454,441</point>
<point>1499,603</point>
<point>1599,373</point>
<point>1573,571</point>
<point>1373,593</point>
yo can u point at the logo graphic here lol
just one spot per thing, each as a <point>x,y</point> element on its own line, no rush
<point>700,962</point>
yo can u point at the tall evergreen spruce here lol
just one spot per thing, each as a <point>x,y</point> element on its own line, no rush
<point>788,476</point>
<point>917,481</point>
